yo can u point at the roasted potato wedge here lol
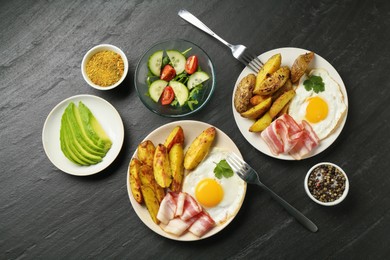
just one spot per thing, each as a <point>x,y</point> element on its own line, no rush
<point>151,202</point>
<point>272,65</point>
<point>258,110</point>
<point>284,110</point>
<point>146,176</point>
<point>175,136</point>
<point>257,99</point>
<point>161,166</point>
<point>199,148</point>
<point>145,152</point>
<point>244,92</point>
<point>286,87</point>
<point>279,103</point>
<point>176,159</point>
<point>262,123</point>
<point>300,65</point>
<point>274,82</point>
<point>135,182</point>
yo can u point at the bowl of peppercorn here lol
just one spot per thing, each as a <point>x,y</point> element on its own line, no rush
<point>326,184</point>
<point>104,67</point>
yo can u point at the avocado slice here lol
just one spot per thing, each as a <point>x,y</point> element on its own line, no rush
<point>76,148</point>
<point>65,145</point>
<point>93,129</point>
<point>69,144</point>
<point>83,140</point>
<point>78,130</point>
<point>77,142</point>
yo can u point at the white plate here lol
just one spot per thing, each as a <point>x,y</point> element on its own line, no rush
<point>191,130</point>
<point>288,57</point>
<point>107,116</point>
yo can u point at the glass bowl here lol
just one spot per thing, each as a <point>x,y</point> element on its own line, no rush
<point>318,173</point>
<point>142,71</point>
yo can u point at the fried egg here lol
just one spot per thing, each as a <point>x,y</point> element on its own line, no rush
<point>322,110</point>
<point>221,198</point>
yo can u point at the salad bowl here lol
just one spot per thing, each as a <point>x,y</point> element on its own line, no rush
<point>147,77</point>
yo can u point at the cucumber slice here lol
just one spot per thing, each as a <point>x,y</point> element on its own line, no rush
<point>197,78</point>
<point>154,63</point>
<point>178,60</point>
<point>156,89</point>
<point>181,91</point>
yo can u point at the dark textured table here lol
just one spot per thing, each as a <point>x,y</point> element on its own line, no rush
<point>48,214</point>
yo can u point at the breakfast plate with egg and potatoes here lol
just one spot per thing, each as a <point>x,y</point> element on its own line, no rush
<point>294,85</point>
<point>179,160</point>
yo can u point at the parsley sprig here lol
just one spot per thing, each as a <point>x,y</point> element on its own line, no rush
<point>314,83</point>
<point>223,169</point>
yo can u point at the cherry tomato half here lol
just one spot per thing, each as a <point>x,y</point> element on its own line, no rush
<point>168,73</point>
<point>167,96</point>
<point>191,64</point>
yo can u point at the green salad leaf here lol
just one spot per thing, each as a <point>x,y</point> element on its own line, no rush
<point>182,77</point>
<point>194,96</point>
<point>185,52</point>
<point>165,61</point>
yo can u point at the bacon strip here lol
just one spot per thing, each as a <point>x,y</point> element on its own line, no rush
<point>285,135</point>
<point>179,212</point>
<point>180,204</point>
<point>167,209</point>
<point>273,141</point>
<point>293,125</point>
<point>178,226</point>
<point>191,208</point>
<point>308,142</point>
<point>312,135</point>
<point>203,224</point>
<point>282,135</point>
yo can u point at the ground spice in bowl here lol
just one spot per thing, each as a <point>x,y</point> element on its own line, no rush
<point>105,68</point>
<point>327,184</point>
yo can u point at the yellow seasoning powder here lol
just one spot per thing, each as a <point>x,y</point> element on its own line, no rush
<point>105,68</point>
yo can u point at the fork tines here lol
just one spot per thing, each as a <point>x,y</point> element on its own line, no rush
<point>252,61</point>
<point>237,164</point>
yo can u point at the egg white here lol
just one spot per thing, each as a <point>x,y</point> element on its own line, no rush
<point>332,95</point>
<point>233,187</point>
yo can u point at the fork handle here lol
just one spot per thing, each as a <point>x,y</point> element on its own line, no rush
<point>293,211</point>
<point>199,24</point>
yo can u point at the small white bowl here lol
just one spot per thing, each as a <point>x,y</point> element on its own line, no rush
<point>332,203</point>
<point>96,49</point>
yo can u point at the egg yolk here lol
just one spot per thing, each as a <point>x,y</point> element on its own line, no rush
<point>316,110</point>
<point>209,192</point>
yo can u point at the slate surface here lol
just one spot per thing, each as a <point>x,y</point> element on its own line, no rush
<point>47,214</point>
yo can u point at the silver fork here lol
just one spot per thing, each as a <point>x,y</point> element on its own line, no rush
<point>240,52</point>
<point>249,175</point>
